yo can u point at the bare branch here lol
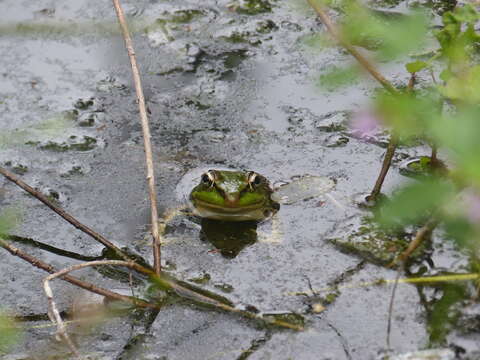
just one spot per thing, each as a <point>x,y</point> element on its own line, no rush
<point>190,293</point>
<point>63,213</point>
<point>390,306</point>
<point>146,135</point>
<point>332,29</point>
<point>369,67</point>
<point>387,159</point>
<point>73,280</point>
<point>424,232</point>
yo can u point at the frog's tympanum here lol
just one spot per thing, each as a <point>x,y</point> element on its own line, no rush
<point>233,196</point>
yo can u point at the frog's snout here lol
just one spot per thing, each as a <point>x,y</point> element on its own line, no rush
<point>231,199</point>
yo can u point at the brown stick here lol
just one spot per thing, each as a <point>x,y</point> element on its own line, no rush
<point>62,213</point>
<point>392,145</point>
<point>421,235</point>
<point>433,156</point>
<point>387,161</point>
<point>73,280</point>
<point>332,29</point>
<point>146,135</point>
<point>390,306</point>
<point>169,283</point>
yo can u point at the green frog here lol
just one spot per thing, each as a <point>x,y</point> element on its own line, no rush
<point>233,196</point>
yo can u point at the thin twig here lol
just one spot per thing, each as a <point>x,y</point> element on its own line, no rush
<point>56,318</point>
<point>73,280</point>
<point>191,293</point>
<point>433,156</point>
<point>197,297</point>
<point>53,312</point>
<point>38,195</point>
<point>387,161</point>
<point>332,29</point>
<point>424,232</point>
<point>390,306</point>
<point>146,135</point>
<point>51,249</point>
<point>391,147</point>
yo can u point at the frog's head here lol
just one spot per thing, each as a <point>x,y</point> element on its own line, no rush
<point>233,196</point>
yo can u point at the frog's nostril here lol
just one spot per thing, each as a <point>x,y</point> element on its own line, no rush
<point>231,199</point>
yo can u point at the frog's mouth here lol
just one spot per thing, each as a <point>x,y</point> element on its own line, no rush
<point>253,212</point>
<point>228,210</point>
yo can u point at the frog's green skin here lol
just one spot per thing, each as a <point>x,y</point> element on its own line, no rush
<point>233,196</point>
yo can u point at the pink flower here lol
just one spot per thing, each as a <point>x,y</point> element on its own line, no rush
<point>365,125</point>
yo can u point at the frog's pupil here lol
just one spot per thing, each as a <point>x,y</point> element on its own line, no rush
<point>257,180</point>
<point>205,178</point>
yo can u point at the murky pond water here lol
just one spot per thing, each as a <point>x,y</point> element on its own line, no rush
<point>228,85</point>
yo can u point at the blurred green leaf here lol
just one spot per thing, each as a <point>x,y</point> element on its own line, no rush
<point>459,229</point>
<point>416,66</point>
<point>458,37</point>
<point>316,41</point>
<point>415,202</point>
<point>446,74</point>
<point>464,87</point>
<point>403,36</point>
<point>337,77</point>
<point>459,132</point>
<point>390,34</point>
<point>9,333</point>
<point>409,113</point>
<point>466,14</point>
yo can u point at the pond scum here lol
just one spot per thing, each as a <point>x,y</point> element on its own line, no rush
<point>438,107</point>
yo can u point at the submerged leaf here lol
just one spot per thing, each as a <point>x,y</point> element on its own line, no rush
<point>336,77</point>
<point>9,333</point>
<point>9,218</point>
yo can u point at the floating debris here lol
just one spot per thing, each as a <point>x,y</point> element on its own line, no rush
<point>302,189</point>
<point>432,354</point>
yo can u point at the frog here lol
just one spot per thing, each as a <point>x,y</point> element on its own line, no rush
<point>229,204</point>
<point>233,196</point>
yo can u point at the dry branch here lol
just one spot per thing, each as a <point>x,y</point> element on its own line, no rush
<point>332,29</point>
<point>387,161</point>
<point>423,233</point>
<point>190,293</point>
<point>391,147</point>
<point>73,280</point>
<point>146,135</point>
<point>369,67</point>
<point>38,195</point>
<point>390,306</point>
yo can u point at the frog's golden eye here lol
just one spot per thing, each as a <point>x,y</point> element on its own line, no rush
<point>208,177</point>
<point>253,178</point>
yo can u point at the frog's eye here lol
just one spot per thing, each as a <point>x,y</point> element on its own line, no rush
<point>253,178</point>
<point>208,177</point>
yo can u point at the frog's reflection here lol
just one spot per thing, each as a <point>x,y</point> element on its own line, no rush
<point>229,237</point>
